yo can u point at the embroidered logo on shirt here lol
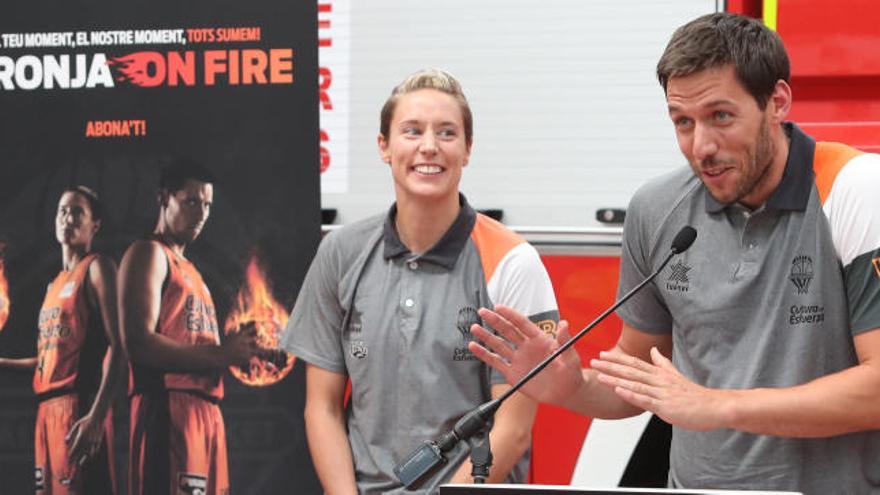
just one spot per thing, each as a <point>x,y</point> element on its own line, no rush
<point>358,349</point>
<point>192,484</point>
<point>467,316</point>
<point>801,273</point>
<point>876,263</point>
<point>678,280</point>
<point>806,315</point>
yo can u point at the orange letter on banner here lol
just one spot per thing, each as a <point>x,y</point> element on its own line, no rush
<point>184,68</point>
<point>281,65</point>
<point>214,65</point>
<point>253,66</point>
<point>234,70</point>
<point>158,61</point>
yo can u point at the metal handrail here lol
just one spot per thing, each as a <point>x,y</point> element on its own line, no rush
<point>596,241</point>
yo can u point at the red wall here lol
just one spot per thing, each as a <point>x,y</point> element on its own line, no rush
<point>835,57</point>
<point>585,287</point>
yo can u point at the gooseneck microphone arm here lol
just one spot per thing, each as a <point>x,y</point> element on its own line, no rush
<point>430,454</point>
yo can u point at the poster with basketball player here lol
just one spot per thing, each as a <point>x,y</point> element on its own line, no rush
<point>111,96</point>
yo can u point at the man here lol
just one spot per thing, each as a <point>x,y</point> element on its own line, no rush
<point>170,332</point>
<point>771,317</point>
<point>388,302</point>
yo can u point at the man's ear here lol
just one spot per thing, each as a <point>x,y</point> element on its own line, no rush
<point>779,103</point>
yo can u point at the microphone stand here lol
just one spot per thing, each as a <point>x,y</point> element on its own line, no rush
<point>481,456</point>
<point>425,458</point>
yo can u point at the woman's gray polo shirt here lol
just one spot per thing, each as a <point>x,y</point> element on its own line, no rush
<point>398,325</point>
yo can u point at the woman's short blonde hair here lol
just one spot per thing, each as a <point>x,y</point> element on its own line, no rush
<point>437,79</point>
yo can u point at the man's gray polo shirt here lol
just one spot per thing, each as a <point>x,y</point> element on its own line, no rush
<point>760,300</point>
<point>398,325</point>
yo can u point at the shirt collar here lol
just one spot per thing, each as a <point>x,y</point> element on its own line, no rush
<point>793,191</point>
<point>447,249</point>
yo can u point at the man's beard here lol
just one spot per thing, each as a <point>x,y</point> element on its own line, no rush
<point>756,166</point>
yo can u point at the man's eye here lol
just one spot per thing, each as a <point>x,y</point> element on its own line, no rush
<point>722,115</point>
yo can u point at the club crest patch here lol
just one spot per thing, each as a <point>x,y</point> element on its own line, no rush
<point>467,316</point>
<point>801,273</point>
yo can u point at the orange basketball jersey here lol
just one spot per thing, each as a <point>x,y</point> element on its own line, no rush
<point>68,352</point>
<point>187,316</point>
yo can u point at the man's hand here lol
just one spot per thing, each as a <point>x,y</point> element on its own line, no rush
<point>241,345</point>
<point>660,388</point>
<point>522,346</point>
<point>276,357</point>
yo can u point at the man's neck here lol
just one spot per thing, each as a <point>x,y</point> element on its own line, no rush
<point>163,236</point>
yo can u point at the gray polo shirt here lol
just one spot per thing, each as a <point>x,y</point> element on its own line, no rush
<point>760,300</point>
<point>398,325</point>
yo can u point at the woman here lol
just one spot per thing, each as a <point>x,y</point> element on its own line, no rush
<point>79,362</point>
<point>388,303</point>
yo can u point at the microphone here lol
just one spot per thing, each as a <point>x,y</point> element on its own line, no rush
<point>429,455</point>
<point>683,240</point>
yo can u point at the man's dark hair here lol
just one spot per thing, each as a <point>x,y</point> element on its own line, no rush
<point>175,175</point>
<point>91,197</point>
<point>715,40</point>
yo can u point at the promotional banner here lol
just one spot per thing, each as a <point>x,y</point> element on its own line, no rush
<point>105,95</point>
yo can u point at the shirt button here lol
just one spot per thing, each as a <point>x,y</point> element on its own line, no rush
<point>409,303</point>
<point>413,265</point>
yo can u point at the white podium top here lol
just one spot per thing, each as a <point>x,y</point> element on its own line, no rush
<point>497,489</point>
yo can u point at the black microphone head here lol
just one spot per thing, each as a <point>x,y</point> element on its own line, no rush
<point>684,239</point>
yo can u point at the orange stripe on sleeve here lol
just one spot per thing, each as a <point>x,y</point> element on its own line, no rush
<point>493,242</point>
<point>828,161</point>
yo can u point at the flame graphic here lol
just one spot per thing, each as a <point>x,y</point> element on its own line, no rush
<point>256,304</point>
<point>134,69</point>
<point>4,293</point>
